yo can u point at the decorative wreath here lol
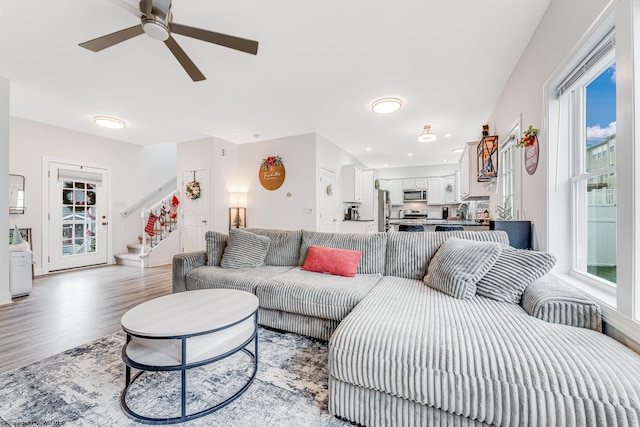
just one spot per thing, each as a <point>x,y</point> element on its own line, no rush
<point>193,188</point>
<point>449,188</point>
<point>329,190</point>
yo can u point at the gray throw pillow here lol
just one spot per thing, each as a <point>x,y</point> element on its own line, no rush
<point>459,264</point>
<point>216,242</point>
<point>514,270</point>
<point>245,250</point>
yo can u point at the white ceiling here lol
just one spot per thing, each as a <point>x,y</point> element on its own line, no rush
<point>320,65</point>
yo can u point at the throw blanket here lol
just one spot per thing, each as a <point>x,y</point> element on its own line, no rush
<point>486,360</point>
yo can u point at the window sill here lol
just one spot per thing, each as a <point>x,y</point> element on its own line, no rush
<point>605,295</point>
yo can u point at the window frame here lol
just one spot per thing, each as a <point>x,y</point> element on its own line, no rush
<point>578,175</point>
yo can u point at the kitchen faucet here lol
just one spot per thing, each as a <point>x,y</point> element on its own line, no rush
<point>464,213</point>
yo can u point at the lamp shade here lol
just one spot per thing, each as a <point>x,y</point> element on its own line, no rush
<point>426,134</point>
<point>237,200</point>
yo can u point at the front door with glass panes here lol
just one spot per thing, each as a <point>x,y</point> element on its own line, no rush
<point>78,220</point>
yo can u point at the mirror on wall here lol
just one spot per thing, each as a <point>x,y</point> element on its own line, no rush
<point>16,194</point>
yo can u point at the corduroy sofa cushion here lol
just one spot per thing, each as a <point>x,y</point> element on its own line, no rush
<point>514,270</point>
<point>373,247</point>
<point>284,248</point>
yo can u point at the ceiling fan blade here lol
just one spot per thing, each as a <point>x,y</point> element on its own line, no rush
<point>237,43</point>
<point>128,7</point>
<point>109,40</point>
<point>184,60</point>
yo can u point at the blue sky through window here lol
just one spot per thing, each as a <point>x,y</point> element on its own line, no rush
<point>601,106</point>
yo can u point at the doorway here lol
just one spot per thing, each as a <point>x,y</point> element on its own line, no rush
<point>326,191</point>
<point>195,211</point>
<point>78,222</point>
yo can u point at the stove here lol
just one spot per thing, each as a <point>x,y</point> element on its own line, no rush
<point>414,214</point>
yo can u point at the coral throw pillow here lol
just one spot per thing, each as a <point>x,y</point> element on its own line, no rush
<point>340,262</point>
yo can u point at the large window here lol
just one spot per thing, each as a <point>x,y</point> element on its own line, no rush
<point>590,96</point>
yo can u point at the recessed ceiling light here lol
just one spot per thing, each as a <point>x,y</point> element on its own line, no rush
<point>386,164</point>
<point>426,135</point>
<point>409,154</point>
<point>109,122</point>
<point>368,148</point>
<point>386,105</point>
<point>448,135</point>
<point>457,150</point>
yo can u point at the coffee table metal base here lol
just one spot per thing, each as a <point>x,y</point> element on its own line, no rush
<point>183,368</point>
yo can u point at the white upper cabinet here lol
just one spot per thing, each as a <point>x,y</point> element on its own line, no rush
<point>450,190</point>
<point>435,191</point>
<point>412,183</point>
<point>351,184</point>
<point>470,188</point>
<point>396,196</point>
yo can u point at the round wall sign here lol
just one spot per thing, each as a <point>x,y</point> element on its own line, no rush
<point>531,155</point>
<point>271,173</point>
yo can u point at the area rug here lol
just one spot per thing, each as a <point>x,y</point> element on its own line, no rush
<point>81,387</point>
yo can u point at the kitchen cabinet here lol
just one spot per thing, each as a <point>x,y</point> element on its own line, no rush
<point>351,184</point>
<point>435,191</point>
<point>450,190</point>
<point>412,183</point>
<point>396,196</point>
<point>470,188</point>
<point>384,184</point>
<point>363,227</point>
<point>368,208</point>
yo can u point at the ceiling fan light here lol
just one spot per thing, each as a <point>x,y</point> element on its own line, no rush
<point>386,105</point>
<point>109,122</point>
<point>155,29</point>
<point>427,135</point>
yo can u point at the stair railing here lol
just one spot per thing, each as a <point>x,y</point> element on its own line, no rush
<point>167,186</point>
<point>158,221</point>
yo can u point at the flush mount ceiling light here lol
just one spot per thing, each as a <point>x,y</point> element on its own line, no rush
<point>426,134</point>
<point>109,122</point>
<point>386,105</point>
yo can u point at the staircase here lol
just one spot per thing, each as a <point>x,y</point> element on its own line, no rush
<point>132,256</point>
<point>160,237</point>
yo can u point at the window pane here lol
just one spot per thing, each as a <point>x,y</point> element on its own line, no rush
<point>601,226</point>
<point>601,120</point>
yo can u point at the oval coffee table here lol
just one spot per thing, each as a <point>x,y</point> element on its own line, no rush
<point>185,330</point>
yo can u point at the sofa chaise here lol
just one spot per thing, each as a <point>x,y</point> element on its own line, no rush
<point>442,328</point>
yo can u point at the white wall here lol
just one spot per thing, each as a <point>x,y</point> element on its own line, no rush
<point>285,207</point>
<point>562,26</point>
<point>5,294</point>
<point>135,171</point>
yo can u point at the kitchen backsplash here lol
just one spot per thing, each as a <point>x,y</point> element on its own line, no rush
<point>435,212</point>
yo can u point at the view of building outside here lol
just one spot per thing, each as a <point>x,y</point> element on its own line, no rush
<point>601,187</point>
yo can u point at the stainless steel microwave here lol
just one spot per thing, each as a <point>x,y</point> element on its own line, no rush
<point>415,195</point>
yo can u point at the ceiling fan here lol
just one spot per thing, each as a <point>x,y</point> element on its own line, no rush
<point>156,21</point>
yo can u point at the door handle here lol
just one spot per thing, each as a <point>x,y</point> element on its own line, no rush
<point>204,221</point>
<point>105,223</point>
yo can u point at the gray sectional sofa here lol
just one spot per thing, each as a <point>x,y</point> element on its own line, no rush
<point>403,353</point>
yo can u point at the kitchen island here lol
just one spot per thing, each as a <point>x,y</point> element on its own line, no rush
<point>430,224</point>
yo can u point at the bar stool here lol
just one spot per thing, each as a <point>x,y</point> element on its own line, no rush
<point>449,228</point>
<point>411,227</point>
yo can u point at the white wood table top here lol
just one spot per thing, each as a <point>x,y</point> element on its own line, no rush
<point>189,312</point>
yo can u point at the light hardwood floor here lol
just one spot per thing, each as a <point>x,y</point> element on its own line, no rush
<point>71,308</point>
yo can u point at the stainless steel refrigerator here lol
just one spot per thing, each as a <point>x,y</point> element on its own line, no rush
<point>384,210</point>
